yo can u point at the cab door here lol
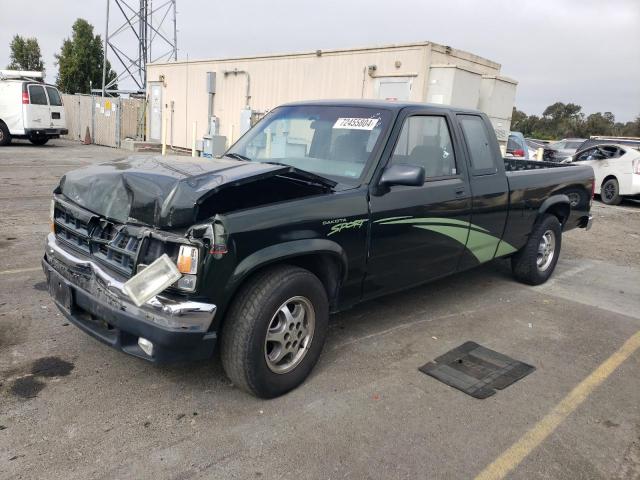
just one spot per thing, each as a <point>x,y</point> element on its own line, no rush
<point>490,189</point>
<point>419,233</point>
<point>36,112</point>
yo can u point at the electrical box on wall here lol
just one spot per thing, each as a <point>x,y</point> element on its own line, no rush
<point>213,145</point>
<point>245,120</point>
<point>211,82</point>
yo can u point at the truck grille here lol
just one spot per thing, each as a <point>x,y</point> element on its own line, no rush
<point>110,243</point>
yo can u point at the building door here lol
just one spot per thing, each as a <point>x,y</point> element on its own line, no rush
<point>394,88</point>
<point>155,113</point>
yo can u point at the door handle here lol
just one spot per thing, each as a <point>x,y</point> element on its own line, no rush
<point>459,191</point>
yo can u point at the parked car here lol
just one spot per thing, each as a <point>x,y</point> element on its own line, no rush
<point>517,147</point>
<point>29,109</point>
<point>561,150</point>
<point>320,206</point>
<point>597,140</point>
<point>616,168</point>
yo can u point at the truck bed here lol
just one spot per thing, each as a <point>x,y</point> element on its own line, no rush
<point>514,165</point>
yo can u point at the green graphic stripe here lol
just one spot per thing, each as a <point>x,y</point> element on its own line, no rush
<point>433,220</point>
<point>482,245</point>
<point>504,248</point>
<point>385,220</point>
<point>476,239</point>
<point>458,234</point>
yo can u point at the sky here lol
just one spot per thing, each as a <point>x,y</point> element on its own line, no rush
<point>580,51</point>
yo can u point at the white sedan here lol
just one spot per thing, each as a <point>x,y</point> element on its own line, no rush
<point>616,168</point>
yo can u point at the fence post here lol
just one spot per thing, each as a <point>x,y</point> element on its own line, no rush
<point>79,119</point>
<point>93,119</point>
<point>118,121</point>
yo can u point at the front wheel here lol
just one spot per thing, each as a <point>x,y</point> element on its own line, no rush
<point>275,330</point>
<point>535,263</point>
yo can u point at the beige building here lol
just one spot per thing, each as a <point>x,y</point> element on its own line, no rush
<point>179,92</point>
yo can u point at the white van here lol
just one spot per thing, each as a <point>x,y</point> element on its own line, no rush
<point>29,109</point>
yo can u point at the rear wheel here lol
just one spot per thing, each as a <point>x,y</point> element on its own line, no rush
<point>535,263</point>
<point>5,136</point>
<point>275,330</point>
<point>38,140</point>
<point>610,192</point>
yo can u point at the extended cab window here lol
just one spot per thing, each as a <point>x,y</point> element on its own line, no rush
<point>54,97</point>
<point>478,144</point>
<point>37,95</point>
<point>327,140</point>
<point>425,142</point>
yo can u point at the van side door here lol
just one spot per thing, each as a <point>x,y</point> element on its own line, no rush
<point>490,190</point>
<point>418,233</point>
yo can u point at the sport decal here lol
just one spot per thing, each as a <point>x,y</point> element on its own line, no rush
<point>338,227</point>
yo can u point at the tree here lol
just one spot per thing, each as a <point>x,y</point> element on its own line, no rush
<point>25,54</point>
<point>567,120</point>
<point>80,60</point>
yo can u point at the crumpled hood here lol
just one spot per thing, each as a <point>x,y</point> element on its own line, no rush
<point>162,192</point>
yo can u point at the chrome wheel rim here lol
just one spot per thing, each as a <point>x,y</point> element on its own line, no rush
<point>546,250</point>
<point>289,335</point>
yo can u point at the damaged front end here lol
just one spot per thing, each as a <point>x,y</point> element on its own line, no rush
<point>88,261</point>
<point>112,222</point>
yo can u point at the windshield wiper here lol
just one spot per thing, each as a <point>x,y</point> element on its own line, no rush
<point>309,176</point>
<point>237,156</point>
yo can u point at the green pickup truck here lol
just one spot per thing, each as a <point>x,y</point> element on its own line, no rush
<point>318,207</point>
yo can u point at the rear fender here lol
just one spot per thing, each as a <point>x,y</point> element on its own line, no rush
<point>558,205</point>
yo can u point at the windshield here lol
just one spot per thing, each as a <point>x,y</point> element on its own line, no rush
<point>334,142</point>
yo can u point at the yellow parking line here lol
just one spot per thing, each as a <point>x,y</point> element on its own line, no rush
<point>511,458</point>
<point>20,270</point>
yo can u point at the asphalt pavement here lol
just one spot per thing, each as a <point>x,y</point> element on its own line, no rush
<point>71,408</point>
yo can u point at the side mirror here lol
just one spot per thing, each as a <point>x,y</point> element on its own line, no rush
<point>402,174</point>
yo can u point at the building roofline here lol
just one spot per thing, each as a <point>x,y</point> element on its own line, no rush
<point>440,48</point>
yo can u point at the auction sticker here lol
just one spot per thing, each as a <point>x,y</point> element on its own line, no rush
<point>356,123</point>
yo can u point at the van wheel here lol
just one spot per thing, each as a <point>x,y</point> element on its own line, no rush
<point>38,140</point>
<point>535,263</point>
<point>5,136</point>
<point>610,192</point>
<point>275,330</point>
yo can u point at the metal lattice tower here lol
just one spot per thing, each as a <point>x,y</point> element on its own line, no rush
<point>141,32</point>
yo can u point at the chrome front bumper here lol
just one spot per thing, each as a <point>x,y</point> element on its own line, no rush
<point>168,313</point>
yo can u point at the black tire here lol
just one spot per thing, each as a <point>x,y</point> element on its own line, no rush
<point>255,308</point>
<point>38,140</point>
<point>5,136</point>
<point>610,192</point>
<point>525,263</point>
